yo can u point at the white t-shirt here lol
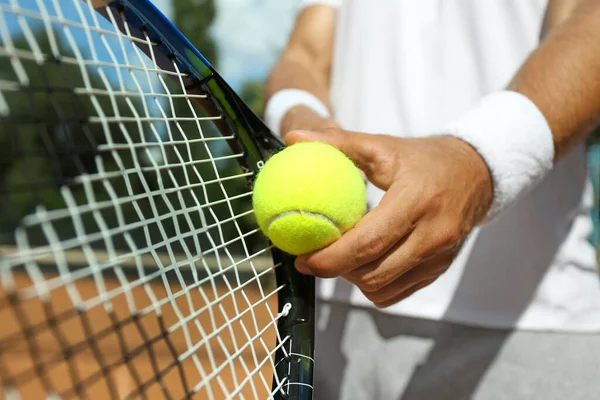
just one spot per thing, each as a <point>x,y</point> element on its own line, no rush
<point>407,68</point>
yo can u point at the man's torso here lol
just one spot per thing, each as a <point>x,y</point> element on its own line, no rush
<point>407,68</point>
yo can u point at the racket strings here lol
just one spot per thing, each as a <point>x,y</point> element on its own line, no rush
<point>10,301</point>
<point>129,262</point>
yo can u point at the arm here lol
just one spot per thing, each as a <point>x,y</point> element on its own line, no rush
<point>562,76</point>
<point>438,188</point>
<point>551,104</point>
<point>305,64</point>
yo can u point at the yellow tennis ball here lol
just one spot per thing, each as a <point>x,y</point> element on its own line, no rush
<point>306,196</point>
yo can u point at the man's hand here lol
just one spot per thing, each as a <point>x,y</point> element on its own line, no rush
<point>437,189</point>
<point>301,117</point>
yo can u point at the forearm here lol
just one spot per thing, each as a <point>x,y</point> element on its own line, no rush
<point>305,66</point>
<point>551,104</point>
<point>562,76</point>
<point>294,72</point>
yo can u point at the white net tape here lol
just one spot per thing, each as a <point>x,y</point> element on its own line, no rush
<point>130,265</point>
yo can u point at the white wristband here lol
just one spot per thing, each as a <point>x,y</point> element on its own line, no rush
<point>284,100</point>
<point>514,139</point>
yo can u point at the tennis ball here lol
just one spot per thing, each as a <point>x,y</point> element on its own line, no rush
<point>307,195</point>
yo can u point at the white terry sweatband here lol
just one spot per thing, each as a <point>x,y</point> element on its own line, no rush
<point>513,138</point>
<point>331,3</point>
<point>284,100</point>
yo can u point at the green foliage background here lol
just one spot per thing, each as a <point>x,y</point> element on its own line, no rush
<point>195,18</point>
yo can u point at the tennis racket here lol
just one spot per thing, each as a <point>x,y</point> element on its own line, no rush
<point>130,262</point>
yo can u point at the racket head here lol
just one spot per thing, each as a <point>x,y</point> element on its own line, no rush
<point>246,135</point>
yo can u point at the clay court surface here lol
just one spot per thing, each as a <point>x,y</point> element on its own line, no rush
<point>109,350</point>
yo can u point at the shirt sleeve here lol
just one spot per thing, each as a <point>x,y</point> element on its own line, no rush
<point>331,3</point>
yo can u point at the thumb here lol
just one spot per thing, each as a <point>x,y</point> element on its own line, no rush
<point>359,147</point>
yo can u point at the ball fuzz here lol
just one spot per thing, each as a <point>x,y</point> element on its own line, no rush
<point>306,196</point>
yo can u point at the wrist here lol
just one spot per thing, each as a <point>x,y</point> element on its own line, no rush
<point>281,104</point>
<point>304,118</point>
<point>513,138</point>
<point>479,178</point>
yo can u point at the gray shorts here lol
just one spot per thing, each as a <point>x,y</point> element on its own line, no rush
<point>364,354</point>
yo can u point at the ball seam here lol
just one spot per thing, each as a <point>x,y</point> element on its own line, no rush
<point>307,213</point>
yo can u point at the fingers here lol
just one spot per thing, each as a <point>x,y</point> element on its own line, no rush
<point>359,147</point>
<point>370,239</point>
<point>409,291</point>
<point>411,281</point>
<point>412,259</point>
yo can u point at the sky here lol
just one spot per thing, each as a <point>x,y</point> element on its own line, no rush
<point>249,35</point>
